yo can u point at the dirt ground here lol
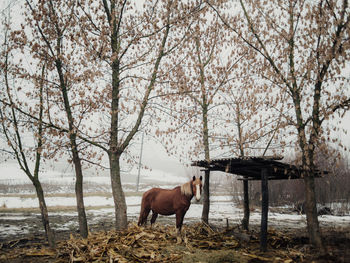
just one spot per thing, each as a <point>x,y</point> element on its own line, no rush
<point>215,243</point>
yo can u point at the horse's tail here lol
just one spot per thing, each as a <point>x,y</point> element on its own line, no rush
<point>145,209</point>
<point>140,222</point>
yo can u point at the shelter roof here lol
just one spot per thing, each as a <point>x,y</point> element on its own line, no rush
<point>250,167</point>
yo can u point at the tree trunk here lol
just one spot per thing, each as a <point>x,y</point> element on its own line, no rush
<point>50,235</point>
<point>83,227</point>
<point>308,168</point>
<point>206,197</point>
<point>310,195</point>
<point>310,201</point>
<point>115,151</point>
<point>245,220</point>
<point>121,221</point>
<point>206,192</point>
<point>311,213</point>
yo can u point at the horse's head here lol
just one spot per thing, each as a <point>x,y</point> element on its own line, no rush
<point>197,187</point>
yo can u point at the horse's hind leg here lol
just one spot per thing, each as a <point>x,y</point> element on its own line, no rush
<point>154,217</point>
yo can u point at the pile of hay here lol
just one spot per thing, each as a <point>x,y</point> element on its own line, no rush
<point>139,244</point>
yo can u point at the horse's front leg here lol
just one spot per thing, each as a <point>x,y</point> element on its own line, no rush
<point>179,221</point>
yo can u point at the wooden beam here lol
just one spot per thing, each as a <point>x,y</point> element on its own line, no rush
<point>264,208</point>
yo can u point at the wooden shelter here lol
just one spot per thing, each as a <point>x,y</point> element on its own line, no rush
<point>256,168</point>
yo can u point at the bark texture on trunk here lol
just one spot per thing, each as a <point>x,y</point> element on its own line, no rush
<point>311,213</point>
<point>245,220</point>
<point>83,226</point>
<point>206,187</point>
<point>50,235</point>
<point>121,221</point>
<point>206,197</point>
<point>307,161</point>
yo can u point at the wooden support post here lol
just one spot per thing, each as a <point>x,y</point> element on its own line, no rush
<point>245,220</point>
<point>264,208</point>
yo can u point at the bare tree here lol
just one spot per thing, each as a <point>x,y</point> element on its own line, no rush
<point>15,128</point>
<point>54,22</point>
<point>132,42</point>
<point>212,97</point>
<point>302,47</point>
<point>194,100</point>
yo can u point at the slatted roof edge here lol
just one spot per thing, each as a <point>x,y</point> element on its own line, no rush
<point>250,167</point>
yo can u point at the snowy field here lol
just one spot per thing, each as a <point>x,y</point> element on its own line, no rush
<point>16,193</point>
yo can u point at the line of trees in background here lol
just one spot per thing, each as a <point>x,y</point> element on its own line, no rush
<point>209,78</point>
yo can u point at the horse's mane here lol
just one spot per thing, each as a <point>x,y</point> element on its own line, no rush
<point>186,189</point>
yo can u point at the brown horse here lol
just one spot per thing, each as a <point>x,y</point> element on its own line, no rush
<point>169,202</point>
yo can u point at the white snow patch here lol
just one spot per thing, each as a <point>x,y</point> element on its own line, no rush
<point>7,230</point>
<point>221,198</point>
<point>14,217</point>
<point>68,226</point>
<point>22,202</point>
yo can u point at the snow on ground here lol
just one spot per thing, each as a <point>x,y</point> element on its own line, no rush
<point>6,230</point>
<point>23,202</point>
<point>219,213</point>
<point>32,202</point>
<point>221,210</point>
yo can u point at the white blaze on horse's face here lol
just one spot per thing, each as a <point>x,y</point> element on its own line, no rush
<point>198,192</point>
<point>197,185</point>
